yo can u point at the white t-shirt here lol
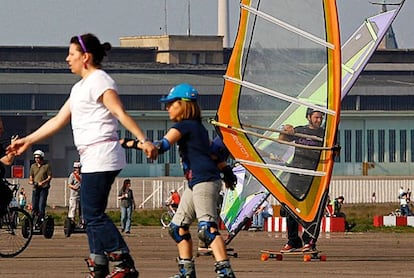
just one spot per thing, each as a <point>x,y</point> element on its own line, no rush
<point>94,127</point>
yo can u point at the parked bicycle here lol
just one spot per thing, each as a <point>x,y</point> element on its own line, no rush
<point>16,227</point>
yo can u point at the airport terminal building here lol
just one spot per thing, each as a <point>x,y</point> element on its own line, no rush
<point>376,130</point>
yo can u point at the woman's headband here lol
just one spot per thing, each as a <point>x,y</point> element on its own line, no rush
<point>82,44</point>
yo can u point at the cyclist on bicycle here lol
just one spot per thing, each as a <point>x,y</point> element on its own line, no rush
<point>173,201</point>
<point>6,194</point>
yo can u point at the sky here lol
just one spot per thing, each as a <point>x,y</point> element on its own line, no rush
<point>54,22</point>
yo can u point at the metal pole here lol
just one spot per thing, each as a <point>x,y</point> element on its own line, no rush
<point>189,18</point>
<point>165,18</point>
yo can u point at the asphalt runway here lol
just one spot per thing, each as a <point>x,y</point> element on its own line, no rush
<point>348,255</point>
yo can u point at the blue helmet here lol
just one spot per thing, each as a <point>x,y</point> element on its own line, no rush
<point>181,91</point>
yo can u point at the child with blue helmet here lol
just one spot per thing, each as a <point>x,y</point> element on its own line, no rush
<point>199,199</point>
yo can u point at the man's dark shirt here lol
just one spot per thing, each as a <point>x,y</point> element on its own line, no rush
<point>306,158</point>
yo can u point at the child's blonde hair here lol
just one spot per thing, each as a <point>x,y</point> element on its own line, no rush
<point>190,110</point>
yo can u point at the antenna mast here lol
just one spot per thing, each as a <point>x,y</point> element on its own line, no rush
<point>189,18</point>
<point>165,18</point>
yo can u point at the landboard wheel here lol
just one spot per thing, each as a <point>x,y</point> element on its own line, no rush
<point>279,257</point>
<point>307,258</point>
<point>264,257</point>
<point>323,258</point>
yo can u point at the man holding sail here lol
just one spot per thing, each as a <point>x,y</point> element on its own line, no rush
<point>298,184</point>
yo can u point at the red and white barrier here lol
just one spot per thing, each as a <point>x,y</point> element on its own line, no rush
<point>390,220</point>
<point>328,224</point>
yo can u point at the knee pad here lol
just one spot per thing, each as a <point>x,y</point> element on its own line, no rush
<point>204,233</point>
<point>174,231</point>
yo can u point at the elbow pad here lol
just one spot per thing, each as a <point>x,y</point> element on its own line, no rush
<point>162,145</point>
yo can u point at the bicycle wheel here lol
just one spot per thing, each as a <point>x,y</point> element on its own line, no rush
<point>166,218</point>
<point>16,232</point>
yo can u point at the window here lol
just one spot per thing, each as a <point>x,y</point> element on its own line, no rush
<point>392,145</point>
<point>139,157</point>
<point>403,146</point>
<point>195,58</point>
<point>128,152</point>
<point>161,157</point>
<point>18,102</point>
<point>348,145</point>
<point>150,136</point>
<point>358,145</point>
<point>349,103</point>
<point>370,145</point>
<point>141,102</point>
<point>388,103</point>
<point>173,154</point>
<point>337,158</point>
<point>412,145</point>
<point>209,58</point>
<point>381,145</point>
<point>182,58</point>
<point>49,101</point>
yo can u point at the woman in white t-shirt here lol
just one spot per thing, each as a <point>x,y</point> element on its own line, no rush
<point>94,109</point>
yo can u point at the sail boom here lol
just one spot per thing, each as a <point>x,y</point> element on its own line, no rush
<point>288,27</point>
<point>286,169</point>
<point>241,130</point>
<point>297,134</point>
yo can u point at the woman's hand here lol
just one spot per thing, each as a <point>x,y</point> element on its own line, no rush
<point>18,146</point>
<point>149,149</point>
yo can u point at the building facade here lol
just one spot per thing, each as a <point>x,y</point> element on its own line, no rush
<point>376,130</point>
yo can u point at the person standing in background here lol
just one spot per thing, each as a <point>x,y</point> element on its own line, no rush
<point>374,197</point>
<point>127,205</point>
<point>337,205</point>
<point>22,198</point>
<point>40,175</point>
<point>74,184</point>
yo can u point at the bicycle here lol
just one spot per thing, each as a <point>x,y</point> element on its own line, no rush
<point>16,227</point>
<point>166,218</point>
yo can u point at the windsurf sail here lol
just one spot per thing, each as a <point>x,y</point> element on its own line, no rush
<point>355,54</point>
<point>279,49</point>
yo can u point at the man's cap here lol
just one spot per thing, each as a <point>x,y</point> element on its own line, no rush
<point>38,153</point>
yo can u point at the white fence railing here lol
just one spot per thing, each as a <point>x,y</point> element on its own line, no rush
<point>151,193</point>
